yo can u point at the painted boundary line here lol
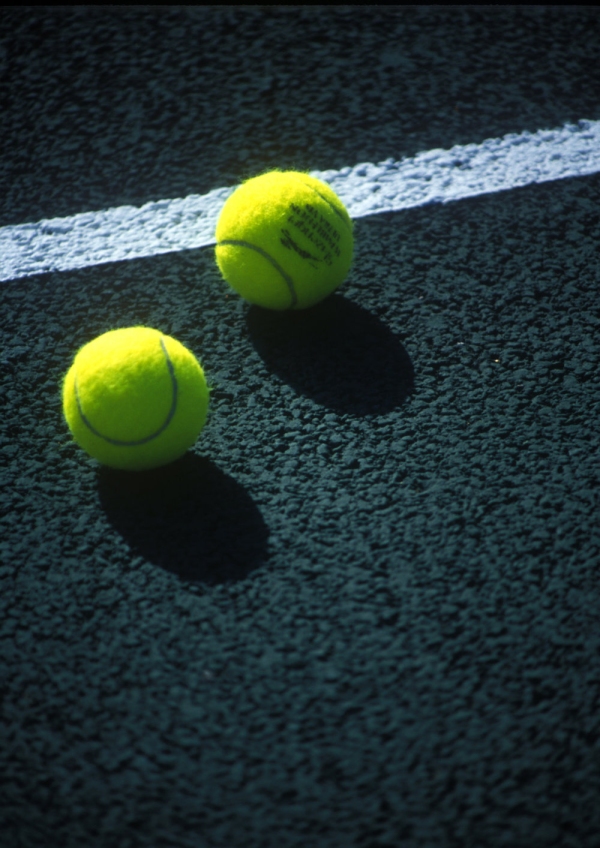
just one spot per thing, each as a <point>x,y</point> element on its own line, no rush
<point>436,176</point>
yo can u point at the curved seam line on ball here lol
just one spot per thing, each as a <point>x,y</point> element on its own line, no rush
<point>274,263</point>
<point>328,202</point>
<point>161,429</point>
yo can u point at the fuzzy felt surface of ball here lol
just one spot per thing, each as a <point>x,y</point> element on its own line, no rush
<point>284,240</point>
<point>135,398</point>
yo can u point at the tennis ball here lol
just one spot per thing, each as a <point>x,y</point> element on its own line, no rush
<point>135,398</point>
<point>284,240</point>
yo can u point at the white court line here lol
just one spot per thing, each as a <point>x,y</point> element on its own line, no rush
<point>437,176</point>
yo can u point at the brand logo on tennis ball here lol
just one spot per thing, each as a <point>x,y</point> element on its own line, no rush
<point>288,241</point>
<point>317,230</point>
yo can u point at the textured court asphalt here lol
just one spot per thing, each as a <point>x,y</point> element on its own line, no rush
<point>364,609</point>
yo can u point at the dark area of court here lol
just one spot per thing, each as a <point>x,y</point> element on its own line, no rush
<point>363,611</point>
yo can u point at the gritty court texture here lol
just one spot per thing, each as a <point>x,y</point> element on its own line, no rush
<point>363,610</point>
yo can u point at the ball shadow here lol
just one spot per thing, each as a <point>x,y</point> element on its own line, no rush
<point>336,353</point>
<point>188,517</point>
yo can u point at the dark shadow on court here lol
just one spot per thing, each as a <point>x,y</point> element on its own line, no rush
<point>188,517</point>
<point>336,353</point>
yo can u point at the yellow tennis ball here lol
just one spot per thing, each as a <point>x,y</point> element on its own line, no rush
<point>135,398</point>
<point>284,240</point>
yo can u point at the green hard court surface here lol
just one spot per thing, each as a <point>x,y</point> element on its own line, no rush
<point>364,609</point>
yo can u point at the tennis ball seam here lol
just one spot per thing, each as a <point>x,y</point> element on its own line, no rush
<point>146,439</point>
<point>288,280</point>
